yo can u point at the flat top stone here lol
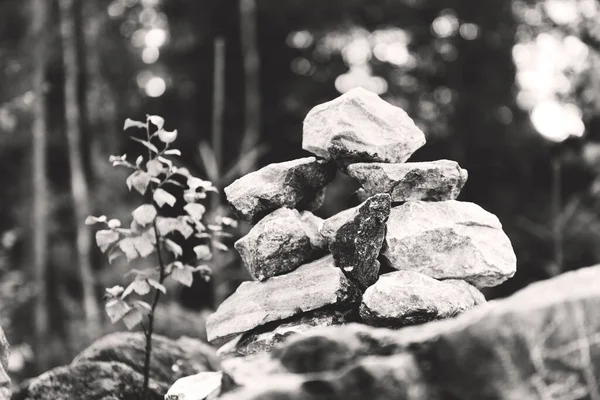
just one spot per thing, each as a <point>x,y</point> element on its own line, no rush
<point>360,126</point>
<point>311,286</point>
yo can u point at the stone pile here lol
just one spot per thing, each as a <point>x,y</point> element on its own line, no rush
<point>312,273</point>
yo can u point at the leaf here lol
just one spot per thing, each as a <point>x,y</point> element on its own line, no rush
<point>142,306</point>
<point>114,223</point>
<point>203,252</point>
<point>114,254</point>
<point>146,144</point>
<point>139,161</point>
<point>143,245</point>
<point>203,385</point>
<point>105,238</point>
<point>166,161</point>
<point>162,197</point>
<point>229,222</point>
<point>183,172</point>
<point>220,246</point>
<point>139,285</point>
<point>116,309</point>
<point>132,318</point>
<point>91,220</point>
<point>128,247</point>
<point>144,214</point>
<point>195,211</point>
<point>174,182</point>
<point>174,247</point>
<point>156,120</point>
<point>139,180</point>
<point>130,123</point>
<point>172,152</point>
<point>167,136</point>
<point>154,167</point>
<point>114,291</point>
<point>150,235</point>
<point>168,225</point>
<point>157,285</point>
<point>195,183</point>
<point>141,274</point>
<point>184,276</point>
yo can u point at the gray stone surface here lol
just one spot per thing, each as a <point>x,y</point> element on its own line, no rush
<point>449,240</point>
<point>541,343</point>
<point>314,285</point>
<point>280,243</point>
<point>356,243</point>
<point>428,181</point>
<point>286,184</point>
<point>359,126</point>
<point>404,298</point>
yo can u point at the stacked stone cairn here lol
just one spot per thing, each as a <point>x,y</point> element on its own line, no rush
<point>311,272</point>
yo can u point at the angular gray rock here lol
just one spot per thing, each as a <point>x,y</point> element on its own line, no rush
<point>355,238</point>
<point>359,126</point>
<point>541,343</point>
<point>280,243</point>
<point>428,181</point>
<point>314,285</point>
<point>265,338</point>
<point>5,386</point>
<point>287,184</point>
<point>449,240</point>
<point>404,298</point>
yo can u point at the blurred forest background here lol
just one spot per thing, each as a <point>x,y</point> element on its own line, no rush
<point>509,89</point>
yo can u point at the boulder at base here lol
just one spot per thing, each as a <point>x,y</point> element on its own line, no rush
<point>311,286</point>
<point>404,298</point>
<point>290,184</point>
<point>449,240</point>
<point>359,126</point>
<point>428,181</point>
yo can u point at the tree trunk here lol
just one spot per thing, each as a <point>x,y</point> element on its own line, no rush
<point>79,186</point>
<point>250,54</point>
<point>39,228</point>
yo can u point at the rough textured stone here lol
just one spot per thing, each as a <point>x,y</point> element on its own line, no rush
<point>168,363</point>
<point>428,181</point>
<point>311,286</point>
<point>5,387</point>
<point>92,380</point>
<point>541,343</point>
<point>265,338</point>
<point>404,298</point>
<point>287,184</point>
<point>201,386</point>
<point>357,242</point>
<point>359,126</point>
<point>280,243</point>
<point>449,240</point>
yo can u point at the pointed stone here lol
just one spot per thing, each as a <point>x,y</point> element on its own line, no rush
<point>311,286</point>
<point>287,184</point>
<point>355,237</point>
<point>280,243</point>
<point>449,240</point>
<point>359,126</point>
<point>428,181</point>
<point>405,298</point>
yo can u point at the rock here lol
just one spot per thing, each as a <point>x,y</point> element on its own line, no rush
<point>280,243</point>
<point>168,363</point>
<point>449,240</point>
<point>265,338</point>
<point>356,243</point>
<point>92,380</point>
<point>427,181</point>
<point>359,126</point>
<point>404,298</point>
<point>311,286</point>
<point>5,386</point>
<point>203,385</point>
<point>287,184</point>
<point>196,349</point>
<point>245,371</point>
<point>541,343</point>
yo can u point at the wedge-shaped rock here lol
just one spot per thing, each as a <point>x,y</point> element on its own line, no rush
<point>404,298</point>
<point>361,127</point>
<point>311,286</point>
<point>265,338</point>
<point>280,243</point>
<point>428,181</point>
<point>355,237</point>
<point>449,240</point>
<point>291,184</point>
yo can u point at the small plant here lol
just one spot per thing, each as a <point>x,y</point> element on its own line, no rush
<point>154,176</point>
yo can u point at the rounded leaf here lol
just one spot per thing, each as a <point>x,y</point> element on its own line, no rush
<point>167,136</point>
<point>156,120</point>
<point>162,197</point>
<point>144,214</point>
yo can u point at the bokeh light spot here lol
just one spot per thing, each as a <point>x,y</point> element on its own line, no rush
<point>155,87</point>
